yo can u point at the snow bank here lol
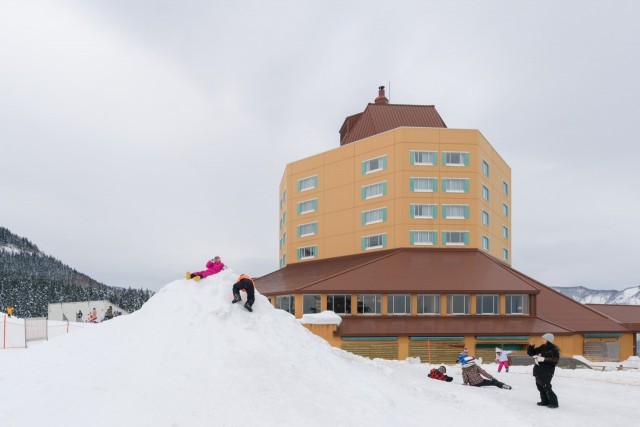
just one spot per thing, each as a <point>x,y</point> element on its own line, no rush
<point>190,358</point>
<point>327,317</point>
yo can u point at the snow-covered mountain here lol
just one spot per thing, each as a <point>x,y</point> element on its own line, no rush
<point>594,296</point>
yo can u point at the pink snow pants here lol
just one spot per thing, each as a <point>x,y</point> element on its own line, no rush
<point>505,364</point>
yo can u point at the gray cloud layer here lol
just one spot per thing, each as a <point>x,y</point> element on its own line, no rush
<point>138,139</point>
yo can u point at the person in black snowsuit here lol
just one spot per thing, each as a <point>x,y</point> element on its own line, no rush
<point>546,357</point>
<point>244,283</point>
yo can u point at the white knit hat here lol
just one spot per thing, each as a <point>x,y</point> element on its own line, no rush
<point>548,337</point>
<point>468,361</point>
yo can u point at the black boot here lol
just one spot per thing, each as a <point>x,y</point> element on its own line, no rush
<point>236,298</point>
<point>248,307</point>
<point>542,404</point>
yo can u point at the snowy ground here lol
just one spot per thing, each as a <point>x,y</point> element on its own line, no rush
<point>190,358</point>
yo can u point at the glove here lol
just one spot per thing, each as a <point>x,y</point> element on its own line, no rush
<point>539,358</point>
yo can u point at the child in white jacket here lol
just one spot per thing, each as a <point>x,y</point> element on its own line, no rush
<point>502,358</point>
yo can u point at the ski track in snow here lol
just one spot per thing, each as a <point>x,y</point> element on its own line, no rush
<point>191,358</point>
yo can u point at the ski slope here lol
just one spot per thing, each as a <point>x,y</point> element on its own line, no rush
<point>190,358</point>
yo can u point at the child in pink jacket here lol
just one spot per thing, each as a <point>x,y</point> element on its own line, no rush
<point>502,358</point>
<point>214,266</point>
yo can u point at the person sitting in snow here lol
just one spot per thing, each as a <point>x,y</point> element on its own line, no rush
<point>473,375</point>
<point>461,356</point>
<point>244,283</point>
<point>502,359</point>
<point>214,266</point>
<point>93,316</point>
<point>439,374</point>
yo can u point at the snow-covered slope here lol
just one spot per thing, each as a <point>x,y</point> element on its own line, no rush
<point>593,296</point>
<point>190,358</point>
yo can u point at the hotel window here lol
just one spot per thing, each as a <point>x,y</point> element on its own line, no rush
<point>308,183</point>
<point>455,211</point>
<point>423,185</point>
<point>307,252</point>
<point>339,304</point>
<point>374,190</point>
<point>423,211</point>
<point>374,165</point>
<point>424,158</point>
<point>505,210</point>
<point>310,229</point>
<point>310,304</point>
<point>429,304</point>
<point>517,304</point>
<point>505,254</point>
<point>399,304</point>
<point>485,168</point>
<point>374,216</point>
<point>307,206</point>
<point>487,304</point>
<point>486,219</point>
<point>283,219</point>
<point>283,199</point>
<point>455,185</point>
<point>423,238</point>
<point>455,159</point>
<point>458,304</point>
<point>485,243</point>
<point>370,304</point>
<point>286,303</point>
<point>283,261</point>
<point>455,238</point>
<point>485,193</point>
<point>283,240</point>
<point>505,188</point>
<point>374,242</point>
<point>505,232</point>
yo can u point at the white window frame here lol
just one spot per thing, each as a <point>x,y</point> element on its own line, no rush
<point>429,178</point>
<point>313,209</point>
<point>301,180</point>
<point>505,188</point>
<point>505,210</point>
<point>462,153</point>
<point>374,210</point>
<point>314,249</point>
<point>467,304</point>
<point>345,303</point>
<point>447,181</point>
<point>436,298</point>
<point>407,306</point>
<point>366,163</point>
<point>291,300</point>
<point>423,243</point>
<point>496,302</point>
<point>488,217</point>
<point>377,304</point>
<point>446,216</point>
<point>488,193</point>
<point>505,254</point>
<point>455,243</point>
<point>304,304</point>
<point>485,165</point>
<point>434,157</point>
<point>313,232</point>
<point>374,247</point>
<point>510,303</point>
<point>505,232</point>
<point>486,240</point>
<point>433,207</point>
<point>381,183</point>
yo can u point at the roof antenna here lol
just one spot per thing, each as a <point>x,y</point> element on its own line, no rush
<point>389,90</point>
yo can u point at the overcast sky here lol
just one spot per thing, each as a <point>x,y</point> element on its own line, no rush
<point>140,138</point>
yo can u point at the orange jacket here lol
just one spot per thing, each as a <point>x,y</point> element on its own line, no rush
<point>244,276</point>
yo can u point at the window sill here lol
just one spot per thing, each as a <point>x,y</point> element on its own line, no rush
<point>373,171</point>
<point>398,314</point>
<point>454,164</point>
<point>373,247</point>
<point>305,212</point>
<point>423,244</point>
<point>423,164</point>
<point>423,217</point>
<point>455,244</point>
<point>307,235</point>
<point>429,314</point>
<point>374,222</point>
<point>302,190</point>
<point>455,217</point>
<point>374,197</point>
<point>423,191</point>
<point>455,191</point>
<point>369,314</point>
<point>306,258</point>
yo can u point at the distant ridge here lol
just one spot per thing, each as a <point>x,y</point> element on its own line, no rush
<point>31,279</point>
<point>628,296</point>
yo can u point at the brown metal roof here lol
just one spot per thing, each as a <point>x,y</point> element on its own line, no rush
<point>378,118</point>
<point>426,270</point>
<point>445,326</point>
<point>401,270</point>
<point>628,315</point>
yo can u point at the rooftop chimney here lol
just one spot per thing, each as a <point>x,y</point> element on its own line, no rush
<point>381,99</point>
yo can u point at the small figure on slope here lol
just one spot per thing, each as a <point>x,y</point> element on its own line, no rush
<point>546,357</point>
<point>10,311</point>
<point>473,375</point>
<point>439,374</point>
<point>93,316</point>
<point>244,283</point>
<point>214,266</point>
<point>502,359</point>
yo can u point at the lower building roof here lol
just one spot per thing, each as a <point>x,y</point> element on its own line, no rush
<point>628,315</point>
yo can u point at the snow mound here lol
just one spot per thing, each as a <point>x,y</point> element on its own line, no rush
<point>325,318</point>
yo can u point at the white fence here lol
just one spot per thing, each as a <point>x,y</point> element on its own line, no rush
<point>13,333</point>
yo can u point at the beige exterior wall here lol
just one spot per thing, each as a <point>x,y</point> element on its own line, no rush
<point>340,205</point>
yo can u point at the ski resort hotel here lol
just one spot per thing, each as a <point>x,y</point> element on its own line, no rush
<point>404,230</point>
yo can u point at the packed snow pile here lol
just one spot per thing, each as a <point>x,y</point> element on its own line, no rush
<point>324,318</point>
<point>191,358</point>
